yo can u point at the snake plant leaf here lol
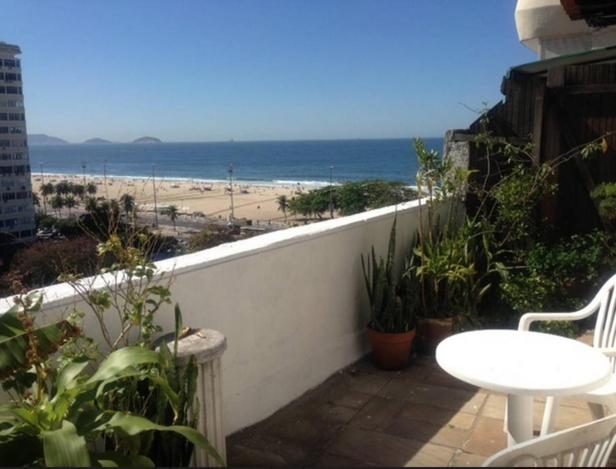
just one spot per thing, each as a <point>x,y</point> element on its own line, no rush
<point>122,359</point>
<point>178,328</point>
<point>132,425</point>
<point>190,381</point>
<point>65,447</point>
<point>109,459</point>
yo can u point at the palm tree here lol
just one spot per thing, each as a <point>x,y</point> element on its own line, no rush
<point>90,204</point>
<point>57,202</point>
<point>283,205</point>
<point>91,188</point>
<point>128,204</point>
<point>69,202</point>
<point>47,190</point>
<point>172,212</point>
<point>36,199</point>
<point>63,188</point>
<point>79,190</point>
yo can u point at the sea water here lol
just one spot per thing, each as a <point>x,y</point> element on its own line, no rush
<point>275,162</point>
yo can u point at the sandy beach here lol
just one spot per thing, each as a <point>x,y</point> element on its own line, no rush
<point>255,202</point>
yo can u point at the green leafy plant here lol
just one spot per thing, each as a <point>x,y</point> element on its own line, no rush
<point>559,276</point>
<point>393,296</point>
<point>64,415</point>
<point>604,196</point>
<point>132,289</point>
<point>455,270</point>
<point>539,270</point>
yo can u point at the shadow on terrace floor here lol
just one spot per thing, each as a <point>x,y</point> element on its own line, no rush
<point>362,416</point>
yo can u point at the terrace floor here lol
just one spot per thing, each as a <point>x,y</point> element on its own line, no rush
<point>363,416</point>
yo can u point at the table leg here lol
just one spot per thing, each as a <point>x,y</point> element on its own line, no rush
<point>519,419</point>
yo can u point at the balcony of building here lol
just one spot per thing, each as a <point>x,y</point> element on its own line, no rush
<point>298,386</point>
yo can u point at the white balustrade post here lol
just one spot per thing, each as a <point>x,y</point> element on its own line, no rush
<point>207,346</point>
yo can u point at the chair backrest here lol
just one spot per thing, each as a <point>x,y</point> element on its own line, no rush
<point>605,303</point>
<point>588,445</point>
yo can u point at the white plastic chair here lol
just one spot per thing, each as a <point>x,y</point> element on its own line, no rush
<point>588,445</point>
<point>604,303</point>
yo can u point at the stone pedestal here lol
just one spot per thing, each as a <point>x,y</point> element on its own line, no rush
<point>207,346</point>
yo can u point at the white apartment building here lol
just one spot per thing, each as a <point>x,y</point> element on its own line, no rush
<point>16,204</point>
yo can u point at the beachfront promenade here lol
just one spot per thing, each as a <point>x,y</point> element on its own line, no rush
<point>254,202</point>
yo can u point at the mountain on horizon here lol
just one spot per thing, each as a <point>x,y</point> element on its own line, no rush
<point>97,140</point>
<point>147,140</point>
<point>44,139</point>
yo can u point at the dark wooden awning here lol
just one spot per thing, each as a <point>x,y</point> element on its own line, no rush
<point>596,13</point>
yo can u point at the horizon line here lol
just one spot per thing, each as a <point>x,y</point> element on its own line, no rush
<point>231,140</point>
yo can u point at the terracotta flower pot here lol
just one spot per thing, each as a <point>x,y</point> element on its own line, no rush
<point>432,331</point>
<point>392,351</point>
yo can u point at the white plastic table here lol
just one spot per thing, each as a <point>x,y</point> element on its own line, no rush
<point>523,364</point>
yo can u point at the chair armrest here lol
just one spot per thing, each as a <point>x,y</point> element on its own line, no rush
<point>609,352</point>
<point>527,319</point>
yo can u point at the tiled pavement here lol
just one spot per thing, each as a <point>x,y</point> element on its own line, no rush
<point>363,416</point>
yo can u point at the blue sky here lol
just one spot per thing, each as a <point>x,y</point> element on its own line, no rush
<point>201,70</point>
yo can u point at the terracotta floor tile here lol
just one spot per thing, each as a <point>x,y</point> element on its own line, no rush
<point>439,377</point>
<point>437,415</point>
<point>388,450</point>
<point>368,383</point>
<point>342,396</point>
<point>310,433</point>
<point>494,406</point>
<point>568,417</point>
<point>431,455</point>
<point>241,456</point>
<point>291,452</point>
<point>438,396</point>
<point>467,460</point>
<point>364,416</point>
<point>333,460</point>
<point>418,370</point>
<point>446,435</point>
<point>377,414</point>
<point>487,437</point>
<point>573,402</point>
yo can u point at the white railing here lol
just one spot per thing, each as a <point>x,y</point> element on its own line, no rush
<point>291,304</point>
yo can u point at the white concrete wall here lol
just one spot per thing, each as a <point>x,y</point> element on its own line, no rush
<point>292,304</point>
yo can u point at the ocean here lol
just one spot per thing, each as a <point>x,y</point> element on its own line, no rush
<point>268,163</point>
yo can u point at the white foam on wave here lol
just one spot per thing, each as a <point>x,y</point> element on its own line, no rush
<point>275,182</point>
<point>180,179</point>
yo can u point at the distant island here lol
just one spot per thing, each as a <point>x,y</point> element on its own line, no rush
<point>44,139</point>
<point>97,140</point>
<point>147,140</point>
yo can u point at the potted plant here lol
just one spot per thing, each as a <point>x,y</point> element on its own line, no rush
<point>438,270</point>
<point>451,259</point>
<point>393,298</point>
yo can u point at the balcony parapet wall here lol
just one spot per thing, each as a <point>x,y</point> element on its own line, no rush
<point>291,303</point>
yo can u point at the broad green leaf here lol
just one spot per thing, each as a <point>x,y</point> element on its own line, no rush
<point>121,359</point>
<point>65,448</point>
<point>132,425</point>
<point>110,459</point>
<point>66,378</point>
<point>129,372</point>
<point>25,415</point>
